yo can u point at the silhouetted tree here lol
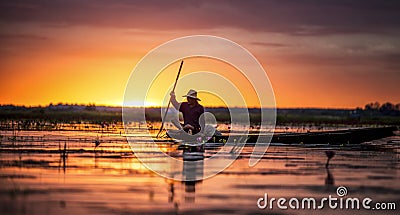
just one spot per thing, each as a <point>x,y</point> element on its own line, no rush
<point>387,108</point>
<point>90,107</point>
<point>397,107</point>
<point>372,106</point>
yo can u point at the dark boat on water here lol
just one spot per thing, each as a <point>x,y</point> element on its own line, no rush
<point>338,137</point>
<point>347,136</point>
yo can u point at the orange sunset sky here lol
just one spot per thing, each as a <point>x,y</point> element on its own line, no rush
<point>335,54</point>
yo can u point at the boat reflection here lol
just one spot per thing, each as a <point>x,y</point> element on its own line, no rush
<point>193,169</point>
<point>192,173</point>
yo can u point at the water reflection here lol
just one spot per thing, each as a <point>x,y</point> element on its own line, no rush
<point>36,178</point>
<point>62,164</point>
<point>190,191</point>
<point>329,180</point>
<point>193,168</point>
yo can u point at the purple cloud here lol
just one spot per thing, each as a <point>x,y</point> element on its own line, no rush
<point>289,17</point>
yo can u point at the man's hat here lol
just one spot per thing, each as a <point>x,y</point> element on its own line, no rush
<point>192,94</point>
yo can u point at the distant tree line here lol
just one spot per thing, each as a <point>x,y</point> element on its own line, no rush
<point>373,113</point>
<point>385,108</point>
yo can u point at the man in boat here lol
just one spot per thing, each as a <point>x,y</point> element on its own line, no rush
<point>191,111</point>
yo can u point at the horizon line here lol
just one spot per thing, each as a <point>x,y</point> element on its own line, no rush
<point>119,106</point>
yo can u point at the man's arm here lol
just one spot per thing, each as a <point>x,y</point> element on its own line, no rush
<point>175,103</point>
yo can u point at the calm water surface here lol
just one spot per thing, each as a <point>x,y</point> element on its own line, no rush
<point>36,178</point>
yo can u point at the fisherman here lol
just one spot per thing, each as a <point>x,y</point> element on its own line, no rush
<point>191,111</point>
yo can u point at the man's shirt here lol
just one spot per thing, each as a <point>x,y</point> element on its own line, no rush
<point>191,115</point>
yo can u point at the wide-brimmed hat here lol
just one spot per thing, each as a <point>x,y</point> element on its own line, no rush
<point>192,94</point>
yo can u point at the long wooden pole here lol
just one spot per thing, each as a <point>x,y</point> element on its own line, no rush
<point>169,103</point>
